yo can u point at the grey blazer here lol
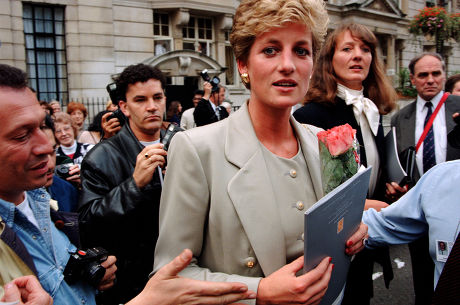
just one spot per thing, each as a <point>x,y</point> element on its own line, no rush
<point>404,121</point>
<point>217,201</point>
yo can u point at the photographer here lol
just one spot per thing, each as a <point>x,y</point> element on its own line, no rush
<point>122,183</point>
<point>31,229</point>
<point>209,109</point>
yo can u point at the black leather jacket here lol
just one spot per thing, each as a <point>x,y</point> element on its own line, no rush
<point>118,216</point>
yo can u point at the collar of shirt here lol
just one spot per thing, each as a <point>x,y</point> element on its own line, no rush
<point>212,105</point>
<point>38,202</point>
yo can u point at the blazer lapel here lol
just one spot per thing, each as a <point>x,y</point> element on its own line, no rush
<point>252,195</point>
<point>309,144</point>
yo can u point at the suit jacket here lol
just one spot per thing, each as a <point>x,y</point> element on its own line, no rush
<point>204,114</point>
<point>404,121</point>
<point>327,116</point>
<point>217,202</point>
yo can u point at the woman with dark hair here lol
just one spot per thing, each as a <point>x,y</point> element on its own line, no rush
<point>94,133</point>
<point>453,84</point>
<point>349,86</point>
<point>173,113</point>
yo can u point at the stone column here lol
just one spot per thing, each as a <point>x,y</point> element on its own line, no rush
<point>391,60</point>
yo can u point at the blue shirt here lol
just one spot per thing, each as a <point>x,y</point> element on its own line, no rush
<point>49,248</point>
<point>432,206</point>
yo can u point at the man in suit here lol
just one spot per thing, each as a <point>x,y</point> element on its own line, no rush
<point>428,75</point>
<point>209,109</point>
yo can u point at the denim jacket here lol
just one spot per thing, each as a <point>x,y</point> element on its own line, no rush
<point>49,248</point>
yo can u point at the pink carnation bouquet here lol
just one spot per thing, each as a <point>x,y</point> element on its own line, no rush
<point>338,151</point>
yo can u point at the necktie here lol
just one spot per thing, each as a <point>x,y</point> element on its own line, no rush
<point>429,157</point>
<point>217,113</point>
<point>448,289</point>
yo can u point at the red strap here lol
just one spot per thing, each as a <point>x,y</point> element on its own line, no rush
<point>430,121</point>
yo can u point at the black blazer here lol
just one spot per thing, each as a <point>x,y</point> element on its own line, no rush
<point>404,121</point>
<point>204,114</point>
<point>327,116</point>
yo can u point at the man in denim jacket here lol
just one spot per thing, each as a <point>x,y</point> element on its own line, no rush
<point>24,206</point>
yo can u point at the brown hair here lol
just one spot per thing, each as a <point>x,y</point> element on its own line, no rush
<point>64,118</point>
<point>451,81</point>
<point>377,87</point>
<point>73,106</point>
<point>255,17</point>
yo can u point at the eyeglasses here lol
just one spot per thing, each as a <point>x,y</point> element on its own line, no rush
<point>65,129</point>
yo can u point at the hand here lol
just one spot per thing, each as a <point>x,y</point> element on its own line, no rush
<point>282,286</point>
<point>207,87</point>
<point>74,172</point>
<point>356,242</point>
<point>109,277</point>
<point>27,290</point>
<point>110,127</point>
<point>375,204</point>
<point>394,191</point>
<point>166,287</point>
<point>147,162</point>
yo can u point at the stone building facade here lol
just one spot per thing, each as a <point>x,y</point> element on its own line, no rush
<point>72,48</point>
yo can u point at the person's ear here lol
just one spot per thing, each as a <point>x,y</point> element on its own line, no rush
<point>242,67</point>
<point>412,80</point>
<point>123,107</point>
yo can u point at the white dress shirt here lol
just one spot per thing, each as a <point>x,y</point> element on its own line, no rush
<point>439,130</point>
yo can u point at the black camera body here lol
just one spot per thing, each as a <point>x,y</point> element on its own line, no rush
<point>215,81</point>
<point>86,266</point>
<point>118,114</point>
<point>116,97</point>
<point>62,170</point>
<point>166,140</point>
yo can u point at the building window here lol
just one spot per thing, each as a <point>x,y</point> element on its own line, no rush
<point>197,35</point>
<point>160,24</point>
<point>45,50</point>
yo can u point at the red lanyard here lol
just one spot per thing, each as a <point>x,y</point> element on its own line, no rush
<point>430,122</point>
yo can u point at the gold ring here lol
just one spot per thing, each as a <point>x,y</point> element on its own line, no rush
<point>146,155</point>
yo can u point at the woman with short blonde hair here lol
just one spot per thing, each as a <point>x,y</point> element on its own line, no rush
<point>255,172</point>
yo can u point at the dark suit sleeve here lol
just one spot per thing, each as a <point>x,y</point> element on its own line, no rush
<point>204,113</point>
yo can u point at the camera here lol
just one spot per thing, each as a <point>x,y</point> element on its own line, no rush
<point>114,93</point>
<point>170,132</point>
<point>118,114</point>
<point>62,170</point>
<point>213,81</point>
<point>86,266</point>
<point>116,97</point>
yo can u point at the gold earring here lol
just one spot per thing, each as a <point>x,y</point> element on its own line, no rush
<point>245,78</point>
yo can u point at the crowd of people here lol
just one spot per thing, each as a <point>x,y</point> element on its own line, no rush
<point>152,205</point>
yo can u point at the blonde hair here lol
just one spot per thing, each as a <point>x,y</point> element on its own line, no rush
<point>255,17</point>
<point>64,118</point>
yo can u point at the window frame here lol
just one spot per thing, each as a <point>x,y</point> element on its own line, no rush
<point>50,69</point>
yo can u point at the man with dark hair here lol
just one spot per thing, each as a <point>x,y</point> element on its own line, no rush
<point>428,75</point>
<point>187,121</point>
<point>32,244</point>
<point>121,183</point>
<point>27,220</point>
<point>209,109</point>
